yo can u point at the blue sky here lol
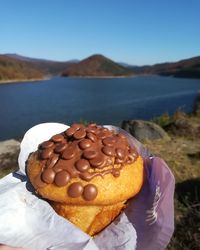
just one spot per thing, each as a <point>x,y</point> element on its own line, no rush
<point>133,31</point>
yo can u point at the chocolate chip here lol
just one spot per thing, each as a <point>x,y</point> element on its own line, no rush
<point>101,135</point>
<point>39,182</point>
<point>121,136</point>
<point>92,125</point>
<point>46,153</point>
<point>62,178</point>
<point>89,154</point>
<point>58,166</point>
<point>85,143</point>
<point>69,153</point>
<point>52,161</point>
<point>82,165</point>
<point>116,172</point>
<point>98,161</point>
<point>47,144</point>
<point>86,176</point>
<point>70,131</point>
<point>60,147</point>
<point>131,158</point>
<point>77,126</point>
<point>92,130</point>
<point>90,192</point>
<point>110,151</point>
<point>48,175</point>
<point>133,152</point>
<point>120,152</point>
<point>92,137</point>
<point>109,141</point>
<point>118,161</point>
<point>105,130</point>
<point>109,161</point>
<point>79,134</point>
<point>57,138</point>
<point>75,189</point>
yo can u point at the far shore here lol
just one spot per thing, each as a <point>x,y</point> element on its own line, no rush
<point>23,80</point>
<point>48,78</point>
<point>78,77</point>
<point>122,76</point>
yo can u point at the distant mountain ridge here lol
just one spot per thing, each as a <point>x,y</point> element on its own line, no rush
<point>48,67</point>
<point>187,68</point>
<point>31,59</point>
<point>97,66</point>
<point>26,58</point>
<point>17,67</point>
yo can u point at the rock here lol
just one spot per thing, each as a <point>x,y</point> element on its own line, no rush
<point>144,130</point>
<point>9,151</point>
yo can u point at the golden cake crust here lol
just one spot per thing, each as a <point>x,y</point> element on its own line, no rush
<point>111,189</point>
<point>90,219</point>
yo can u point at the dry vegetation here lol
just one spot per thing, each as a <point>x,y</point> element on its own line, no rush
<point>18,70</point>
<point>182,155</point>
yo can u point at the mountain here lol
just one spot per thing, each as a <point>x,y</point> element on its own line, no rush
<point>126,65</point>
<point>31,59</point>
<point>25,58</point>
<point>48,67</point>
<point>13,69</point>
<point>96,66</point>
<point>187,68</point>
<point>17,67</point>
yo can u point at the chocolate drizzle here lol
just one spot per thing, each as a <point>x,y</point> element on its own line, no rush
<point>83,152</point>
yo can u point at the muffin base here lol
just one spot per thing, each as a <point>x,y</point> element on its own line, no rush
<point>90,219</point>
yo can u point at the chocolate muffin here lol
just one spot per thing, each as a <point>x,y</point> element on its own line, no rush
<point>87,174</point>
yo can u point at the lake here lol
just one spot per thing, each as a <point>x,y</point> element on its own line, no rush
<point>105,101</point>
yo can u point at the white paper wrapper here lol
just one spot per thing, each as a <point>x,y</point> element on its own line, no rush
<point>30,222</point>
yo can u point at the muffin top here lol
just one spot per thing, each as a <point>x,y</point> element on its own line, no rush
<point>83,152</point>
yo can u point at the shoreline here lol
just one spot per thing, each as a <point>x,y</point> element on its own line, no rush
<point>100,77</point>
<point>24,80</point>
<point>73,77</point>
<point>83,77</point>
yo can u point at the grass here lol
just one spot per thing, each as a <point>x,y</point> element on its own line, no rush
<point>182,155</point>
<point>187,216</point>
<point>163,120</point>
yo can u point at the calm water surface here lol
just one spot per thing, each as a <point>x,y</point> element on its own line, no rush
<point>106,101</point>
